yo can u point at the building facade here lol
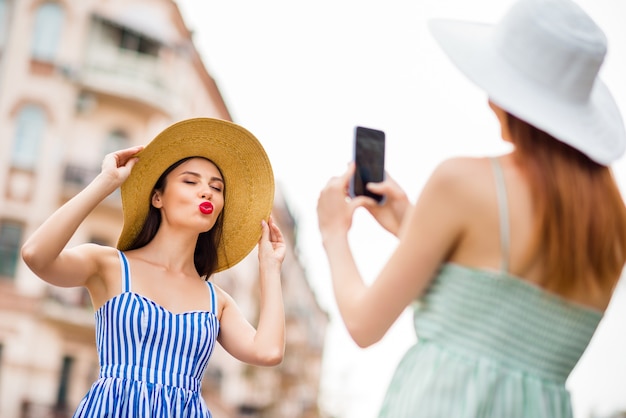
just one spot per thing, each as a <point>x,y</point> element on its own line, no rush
<point>79,79</point>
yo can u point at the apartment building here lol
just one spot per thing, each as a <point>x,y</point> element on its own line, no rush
<point>78,79</point>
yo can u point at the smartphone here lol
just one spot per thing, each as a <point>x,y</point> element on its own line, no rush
<point>369,158</point>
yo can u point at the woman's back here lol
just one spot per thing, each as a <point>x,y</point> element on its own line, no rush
<point>491,343</point>
<point>481,244</point>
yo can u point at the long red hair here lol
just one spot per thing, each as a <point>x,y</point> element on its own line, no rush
<point>580,231</point>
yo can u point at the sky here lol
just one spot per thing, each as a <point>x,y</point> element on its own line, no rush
<point>301,75</point>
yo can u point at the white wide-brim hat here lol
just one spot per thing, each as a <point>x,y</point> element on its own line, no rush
<point>541,63</point>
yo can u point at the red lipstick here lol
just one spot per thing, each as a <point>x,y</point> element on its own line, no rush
<point>206,208</point>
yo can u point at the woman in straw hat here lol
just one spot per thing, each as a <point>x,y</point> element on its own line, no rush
<point>510,261</point>
<point>196,201</point>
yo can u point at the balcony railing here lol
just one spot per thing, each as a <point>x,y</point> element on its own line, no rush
<point>128,74</point>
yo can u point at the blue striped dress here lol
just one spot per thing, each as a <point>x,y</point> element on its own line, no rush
<point>151,360</point>
<point>490,345</point>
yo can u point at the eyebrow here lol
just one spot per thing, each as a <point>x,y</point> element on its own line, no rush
<point>193,173</point>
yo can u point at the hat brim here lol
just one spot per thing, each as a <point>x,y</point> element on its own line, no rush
<point>247,172</point>
<point>594,127</point>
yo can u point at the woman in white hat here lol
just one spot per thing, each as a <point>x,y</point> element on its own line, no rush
<point>509,261</point>
<point>196,200</point>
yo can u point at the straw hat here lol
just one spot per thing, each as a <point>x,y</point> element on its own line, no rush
<point>248,178</point>
<point>541,63</point>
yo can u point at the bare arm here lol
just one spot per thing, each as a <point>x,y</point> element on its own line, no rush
<point>429,233</point>
<point>44,251</point>
<point>265,345</point>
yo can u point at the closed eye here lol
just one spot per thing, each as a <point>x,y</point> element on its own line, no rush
<point>192,178</point>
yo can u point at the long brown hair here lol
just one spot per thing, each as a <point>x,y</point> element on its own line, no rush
<point>581,218</point>
<point>205,253</point>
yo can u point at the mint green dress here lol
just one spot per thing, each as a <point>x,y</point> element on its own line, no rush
<point>489,345</point>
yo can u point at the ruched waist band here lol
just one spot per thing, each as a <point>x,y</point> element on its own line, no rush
<point>153,376</point>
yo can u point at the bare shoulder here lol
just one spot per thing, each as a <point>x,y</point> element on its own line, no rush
<point>461,175</point>
<point>102,255</point>
<point>98,250</point>
<point>461,167</point>
<point>91,259</point>
<point>223,299</point>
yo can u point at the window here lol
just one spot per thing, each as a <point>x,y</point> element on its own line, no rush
<point>10,241</point>
<point>4,23</point>
<point>135,42</point>
<point>129,40</point>
<point>48,26</point>
<point>31,124</point>
<point>116,140</point>
<point>64,382</point>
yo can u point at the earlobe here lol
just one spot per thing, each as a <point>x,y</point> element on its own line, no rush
<point>156,199</point>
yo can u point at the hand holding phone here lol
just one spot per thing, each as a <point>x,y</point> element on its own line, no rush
<point>369,158</point>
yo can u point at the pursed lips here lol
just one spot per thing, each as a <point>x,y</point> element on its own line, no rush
<point>206,208</point>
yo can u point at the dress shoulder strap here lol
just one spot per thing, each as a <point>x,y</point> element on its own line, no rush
<point>213,297</point>
<point>503,208</point>
<point>125,272</point>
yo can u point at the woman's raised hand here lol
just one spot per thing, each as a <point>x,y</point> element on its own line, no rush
<point>391,213</point>
<point>117,165</point>
<point>335,209</point>
<point>271,244</point>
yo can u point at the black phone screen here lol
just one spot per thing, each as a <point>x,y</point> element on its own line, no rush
<point>369,157</point>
